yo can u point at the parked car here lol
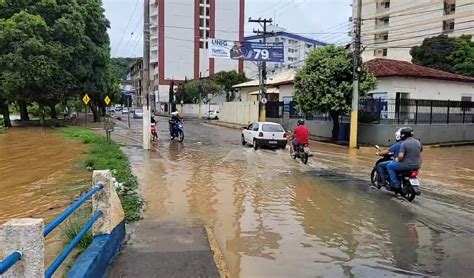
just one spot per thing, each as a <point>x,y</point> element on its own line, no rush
<point>125,110</point>
<point>212,114</point>
<point>138,114</point>
<point>118,108</point>
<point>266,134</point>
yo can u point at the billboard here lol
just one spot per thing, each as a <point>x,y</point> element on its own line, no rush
<point>250,51</point>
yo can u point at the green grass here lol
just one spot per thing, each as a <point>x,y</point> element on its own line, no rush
<point>73,225</point>
<point>102,155</point>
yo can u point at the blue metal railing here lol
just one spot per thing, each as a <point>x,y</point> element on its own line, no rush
<point>16,256</point>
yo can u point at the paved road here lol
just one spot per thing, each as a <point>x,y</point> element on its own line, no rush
<point>274,217</point>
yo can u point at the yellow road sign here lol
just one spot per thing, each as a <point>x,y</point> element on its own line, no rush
<point>107,100</point>
<point>86,99</point>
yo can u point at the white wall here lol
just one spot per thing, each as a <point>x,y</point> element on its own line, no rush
<point>239,112</point>
<point>227,25</point>
<point>179,42</point>
<point>286,91</point>
<point>192,110</point>
<point>424,88</point>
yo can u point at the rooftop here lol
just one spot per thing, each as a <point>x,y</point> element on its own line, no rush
<point>283,78</point>
<point>388,68</point>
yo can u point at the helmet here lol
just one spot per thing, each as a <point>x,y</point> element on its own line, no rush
<point>175,113</point>
<point>398,135</point>
<point>300,122</point>
<point>406,132</point>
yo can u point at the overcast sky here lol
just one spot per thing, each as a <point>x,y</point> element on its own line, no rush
<point>325,20</point>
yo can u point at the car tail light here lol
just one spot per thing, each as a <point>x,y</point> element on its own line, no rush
<point>260,134</point>
<point>414,174</point>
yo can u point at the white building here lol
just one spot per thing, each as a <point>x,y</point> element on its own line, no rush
<point>391,27</point>
<point>297,49</point>
<point>179,33</point>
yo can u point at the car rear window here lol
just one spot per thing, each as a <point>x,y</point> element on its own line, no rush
<point>272,128</point>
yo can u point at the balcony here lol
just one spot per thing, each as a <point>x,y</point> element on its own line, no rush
<point>382,22</point>
<point>381,38</point>
<point>383,6</point>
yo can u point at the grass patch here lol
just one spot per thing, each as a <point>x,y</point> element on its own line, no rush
<point>102,155</point>
<point>73,225</point>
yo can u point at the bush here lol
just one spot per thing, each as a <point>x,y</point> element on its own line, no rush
<point>74,224</point>
<point>103,155</point>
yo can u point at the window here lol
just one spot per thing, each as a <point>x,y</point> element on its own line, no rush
<point>387,5</point>
<point>255,127</point>
<point>466,103</point>
<point>448,26</point>
<point>272,128</point>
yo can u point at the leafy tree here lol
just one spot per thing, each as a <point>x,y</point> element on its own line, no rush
<point>324,84</point>
<point>121,66</point>
<point>227,79</point>
<point>195,90</point>
<point>445,53</point>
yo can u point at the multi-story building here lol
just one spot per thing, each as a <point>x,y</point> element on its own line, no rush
<point>136,73</point>
<point>179,31</point>
<point>297,49</point>
<point>391,27</point>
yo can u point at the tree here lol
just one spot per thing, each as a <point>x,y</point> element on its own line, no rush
<point>121,66</point>
<point>227,79</point>
<point>324,84</point>
<point>200,89</point>
<point>451,54</point>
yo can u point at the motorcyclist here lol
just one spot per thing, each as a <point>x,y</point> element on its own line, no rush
<point>393,150</point>
<point>175,118</point>
<point>300,135</point>
<point>409,156</point>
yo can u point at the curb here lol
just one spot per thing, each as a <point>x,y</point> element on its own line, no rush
<point>217,253</point>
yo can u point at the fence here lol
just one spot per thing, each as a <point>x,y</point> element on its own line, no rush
<point>24,238</point>
<point>239,112</point>
<point>390,111</point>
<point>415,111</point>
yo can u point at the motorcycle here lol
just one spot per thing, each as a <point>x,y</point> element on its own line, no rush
<point>177,130</point>
<point>154,134</point>
<point>303,152</point>
<point>409,186</point>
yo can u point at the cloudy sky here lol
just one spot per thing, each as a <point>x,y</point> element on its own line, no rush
<point>325,20</point>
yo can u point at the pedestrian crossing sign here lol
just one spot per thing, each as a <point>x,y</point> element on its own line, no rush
<point>107,100</point>
<point>86,99</point>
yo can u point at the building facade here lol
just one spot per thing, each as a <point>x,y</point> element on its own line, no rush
<point>179,32</point>
<point>391,27</point>
<point>136,73</point>
<point>297,49</point>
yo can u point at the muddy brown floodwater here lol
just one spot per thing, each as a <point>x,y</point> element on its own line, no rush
<point>38,177</point>
<point>274,217</point>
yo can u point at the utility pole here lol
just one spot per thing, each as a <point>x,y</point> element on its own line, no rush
<point>146,76</point>
<point>263,66</point>
<point>356,74</point>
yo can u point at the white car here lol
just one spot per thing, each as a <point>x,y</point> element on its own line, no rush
<point>265,134</point>
<point>212,114</point>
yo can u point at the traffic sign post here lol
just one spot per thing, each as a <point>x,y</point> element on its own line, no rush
<point>86,99</point>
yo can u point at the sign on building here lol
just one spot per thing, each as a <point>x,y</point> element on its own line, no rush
<point>250,51</point>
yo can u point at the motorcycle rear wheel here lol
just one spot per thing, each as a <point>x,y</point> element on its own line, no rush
<point>409,193</point>
<point>374,178</point>
<point>304,157</point>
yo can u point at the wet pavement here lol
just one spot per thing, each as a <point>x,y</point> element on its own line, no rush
<point>275,217</point>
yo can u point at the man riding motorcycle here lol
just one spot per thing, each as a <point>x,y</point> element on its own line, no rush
<point>409,156</point>
<point>300,135</point>
<point>175,118</point>
<point>393,150</point>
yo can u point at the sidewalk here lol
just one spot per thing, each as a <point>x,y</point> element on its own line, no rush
<point>157,248</point>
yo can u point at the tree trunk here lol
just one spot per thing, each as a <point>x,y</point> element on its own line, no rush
<point>5,112</point>
<point>95,112</point>
<point>335,127</point>
<point>41,114</point>
<point>54,115</point>
<point>23,110</point>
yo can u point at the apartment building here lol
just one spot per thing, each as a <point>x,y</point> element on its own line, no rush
<point>179,33</point>
<point>391,27</point>
<point>136,74</point>
<point>297,49</point>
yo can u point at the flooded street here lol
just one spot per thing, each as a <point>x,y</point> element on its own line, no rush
<point>38,177</point>
<point>275,217</point>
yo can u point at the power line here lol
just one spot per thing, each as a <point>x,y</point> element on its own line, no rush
<point>126,27</point>
<point>420,36</point>
<point>132,34</point>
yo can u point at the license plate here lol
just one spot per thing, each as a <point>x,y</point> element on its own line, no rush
<point>414,182</point>
<point>273,142</point>
<point>306,149</point>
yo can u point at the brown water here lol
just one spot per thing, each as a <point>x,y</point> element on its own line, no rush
<point>38,177</point>
<point>274,217</point>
